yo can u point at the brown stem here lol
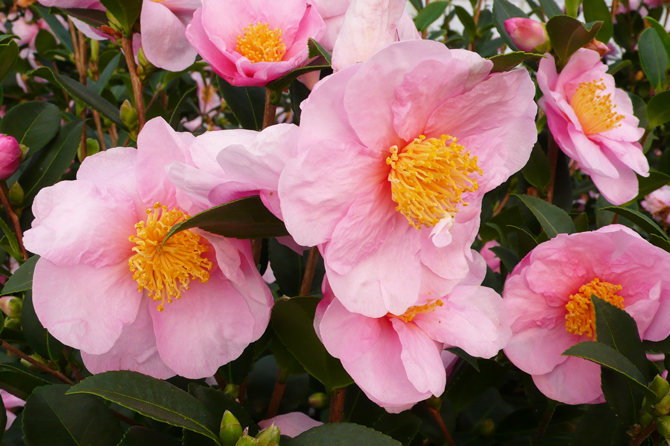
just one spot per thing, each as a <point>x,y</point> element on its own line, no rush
<point>4,199</point>
<point>336,410</point>
<point>443,427</point>
<point>37,364</point>
<point>127,45</point>
<point>113,134</point>
<point>98,128</point>
<point>243,391</point>
<point>615,6</point>
<point>270,110</point>
<point>553,160</point>
<point>277,394</point>
<point>478,11</point>
<point>220,381</point>
<point>644,434</point>
<point>256,247</point>
<point>501,205</point>
<point>307,278</point>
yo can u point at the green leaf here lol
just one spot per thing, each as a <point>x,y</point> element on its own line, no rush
<point>661,242</point>
<point>9,53</point>
<point>618,66</point>
<point>581,221</point>
<point>538,169</point>
<point>22,279</point>
<point>289,364</point>
<point>644,222</point>
<point>141,436</point>
<point>36,335</point>
<point>33,124</point>
<point>504,10</point>
<point>572,7</point>
<point>340,434</point>
<point>468,384</point>
<point>85,94</point>
<point>125,11</point>
<point>464,355</point>
<point>56,26</point>
<point>278,85</point>
<point>315,50</point>
<point>508,257</point>
<point>399,426</point>
<point>597,10</point>
<point>658,112</point>
<point>418,4</point>
<point>246,103</point>
<point>467,21</point>
<point>654,181</point>
<point>553,219</point>
<point>14,249</point>
<point>429,14</point>
<point>150,397</point>
<point>51,417</point>
<point>505,62</point>
<point>600,426</point>
<point>106,73</point>
<point>176,114</point>
<point>244,218</point>
<point>18,382</point>
<point>47,166</point>
<point>567,35</point>
<point>550,8</point>
<point>639,109</point>
<point>525,241</point>
<point>293,322</point>
<point>662,33</point>
<point>658,346</point>
<point>93,17</point>
<point>653,57</point>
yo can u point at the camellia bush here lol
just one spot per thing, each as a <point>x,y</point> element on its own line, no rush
<point>334,222</point>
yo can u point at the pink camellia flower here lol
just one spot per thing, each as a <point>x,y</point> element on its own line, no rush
<point>593,123</point>
<point>290,424</point>
<point>548,298</point>
<point>393,158</point>
<point>251,43</point>
<point>208,101</point>
<point>527,34</point>
<point>396,359</point>
<point>107,285</point>
<point>657,204</point>
<point>10,402</point>
<point>490,257</point>
<point>10,156</point>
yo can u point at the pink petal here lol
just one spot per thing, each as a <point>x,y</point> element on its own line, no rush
<point>290,424</point>
<point>163,38</point>
<point>617,190</point>
<point>538,350</point>
<point>198,38</point>
<point>575,381</point>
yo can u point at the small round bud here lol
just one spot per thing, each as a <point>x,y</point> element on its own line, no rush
<point>662,407</point>
<point>529,35</point>
<point>12,323</point>
<point>486,428</point>
<point>318,400</point>
<point>246,440</point>
<point>232,390</point>
<point>11,306</point>
<point>663,426</point>
<point>230,430</point>
<point>660,387</point>
<point>269,436</point>
<point>645,419</point>
<point>10,156</point>
<point>16,195</point>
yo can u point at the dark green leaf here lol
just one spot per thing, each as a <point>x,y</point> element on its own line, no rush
<point>9,52</point>
<point>550,8</point>
<point>418,4</point>
<point>659,346</point>
<point>53,418</point>
<point>47,167</point>
<point>600,426</point>
<point>661,242</point>
<point>85,94</point>
<point>508,257</point>
<point>402,427</point>
<point>654,181</point>
<point>150,397</point>
<point>176,114</point>
<point>237,371</point>
<point>288,363</point>
<point>430,14</point>
<point>141,436</point>
<point>56,26</point>
<point>246,103</point>
<point>22,279</point>
<point>506,62</point>
<point>467,357</point>
<point>106,74</point>
<point>45,42</point>
<point>93,17</point>
<point>658,112</point>
<point>567,35</point>
<point>468,384</point>
<point>504,10</point>
<point>553,219</point>
<point>618,66</point>
<point>278,85</point>
<point>315,50</point>
<point>19,382</point>
<point>622,397</point>
<point>653,57</point>
<point>244,218</point>
<point>467,21</point>
<point>644,222</point>
<point>639,109</point>
<point>525,241</point>
<point>597,10</point>
<point>12,241</point>
<point>538,169</point>
<point>289,269</point>
<point>33,124</point>
<point>581,222</point>
<point>662,33</point>
<point>572,7</point>
<point>125,11</point>
<point>293,322</point>
<point>340,434</point>
<point>36,335</point>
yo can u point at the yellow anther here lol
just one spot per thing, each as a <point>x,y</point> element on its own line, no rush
<point>411,312</point>
<point>581,317</point>
<point>259,43</point>
<point>595,111</point>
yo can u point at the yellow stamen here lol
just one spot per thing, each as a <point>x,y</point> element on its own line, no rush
<point>156,266</point>
<point>259,43</point>
<point>581,317</point>
<point>595,112</point>
<point>428,177</point>
<point>411,312</point>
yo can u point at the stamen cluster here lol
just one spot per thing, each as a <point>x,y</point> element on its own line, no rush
<point>259,43</point>
<point>595,111</point>
<point>581,317</point>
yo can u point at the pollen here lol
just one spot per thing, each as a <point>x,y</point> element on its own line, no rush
<point>166,269</point>
<point>581,317</point>
<point>259,43</point>
<point>428,178</point>
<point>595,111</point>
<point>411,312</point>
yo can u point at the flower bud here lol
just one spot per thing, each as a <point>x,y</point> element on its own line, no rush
<point>231,430</point>
<point>16,195</point>
<point>232,390</point>
<point>246,440</point>
<point>92,147</point>
<point>486,428</point>
<point>434,402</point>
<point>645,419</point>
<point>597,46</point>
<point>129,116</point>
<point>662,407</point>
<point>663,426</point>
<point>12,323</point>
<point>11,306</point>
<point>10,156</point>
<point>529,35</point>
<point>144,67</point>
<point>318,400</point>
<point>659,386</point>
<point>269,436</point>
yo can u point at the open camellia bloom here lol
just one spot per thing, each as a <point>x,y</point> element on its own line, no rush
<point>593,123</point>
<point>394,156</point>
<point>548,298</point>
<point>396,359</point>
<point>251,42</point>
<point>108,284</point>
<point>657,204</point>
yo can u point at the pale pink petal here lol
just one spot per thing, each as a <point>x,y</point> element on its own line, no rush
<point>197,36</point>
<point>290,424</point>
<point>617,190</point>
<point>163,38</point>
<point>575,381</point>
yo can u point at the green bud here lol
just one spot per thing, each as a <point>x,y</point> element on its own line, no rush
<point>11,306</point>
<point>645,419</point>
<point>246,440</point>
<point>231,430</point>
<point>37,358</point>
<point>92,147</point>
<point>128,115</point>
<point>486,428</point>
<point>318,400</point>
<point>434,402</point>
<point>24,151</point>
<point>269,436</point>
<point>144,67</point>
<point>660,387</point>
<point>663,426</point>
<point>12,323</point>
<point>95,49</point>
<point>662,407</point>
<point>232,390</point>
<point>16,195</point>
<point>113,22</point>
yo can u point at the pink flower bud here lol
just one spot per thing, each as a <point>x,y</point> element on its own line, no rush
<point>10,156</point>
<point>597,46</point>
<point>527,34</point>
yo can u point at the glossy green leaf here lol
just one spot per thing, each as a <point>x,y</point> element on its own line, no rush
<point>278,85</point>
<point>597,10</point>
<point>33,124</point>
<point>340,434</point>
<point>550,8</point>
<point>39,339</point>
<point>600,426</point>
<point>658,346</point>
<point>508,61</point>
<point>293,322</point>
<point>654,181</point>
<point>56,26</point>
<point>9,52</point>
<point>653,57</point>
<point>464,355</point>
<point>47,166</point>
<point>125,11</point>
<point>525,241</point>
<point>662,33</point>
<point>22,279</point>
<point>572,7</point>
<point>106,74</point>
<point>660,242</point>
<point>12,241</point>
<point>93,17</point>
<point>504,10</point>
<point>17,381</point>
<point>244,218</point>
<point>467,21</point>
<point>553,219</point>
<point>639,109</point>
<point>315,50</point>
<point>429,14</point>
<point>468,384</point>
<point>141,436</point>
<point>658,111</point>
<point>508,257</point>
<point>644,222</point>
<point>150,397</point>
<point>246,103</point>
<point>51,417</point>
<point>567,35</point>
<point>402,427</point>
<point>537,170</point>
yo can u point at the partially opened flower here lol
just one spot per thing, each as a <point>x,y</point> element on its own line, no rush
<point>251,43</point>
<point>107,283</point>
<point>397,359</point>
<point>10,156</point>
<point>394,156</point>
<point>657,204</point>
<point>593,123</point>
<point>548,298</point>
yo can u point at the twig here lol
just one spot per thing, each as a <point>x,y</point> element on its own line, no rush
<point>443,427</point>
<point>308,277</point>
<point>270,110</point>
<point>220,381</point>
<point>553,161</point>
<point>127,45</point>
<point>336,410</point>
<point>256,247</point>
<point>644,434</point>
<point>548,414</point>
<point>502,204</point>
<point>98,128</point>
<point>277,394</point>
<point>615,6</point>
<point>37,364</point>
<point>4,198</point>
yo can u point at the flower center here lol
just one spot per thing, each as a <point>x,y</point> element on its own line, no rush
<point>411,312</point>
<point>157,267</point>
<point>595,112</point>
<point>581,317</point>
<point>259,43</point>
<point>428,178</point>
